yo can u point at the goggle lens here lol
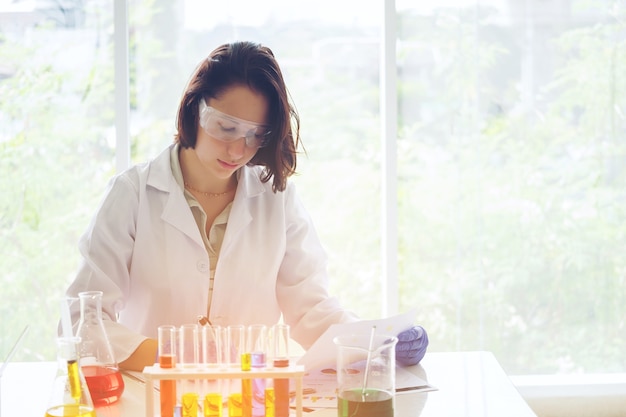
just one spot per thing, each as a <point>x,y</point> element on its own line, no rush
<point>227,128</point>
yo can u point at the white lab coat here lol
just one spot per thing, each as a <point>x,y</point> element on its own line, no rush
<point>143,249</point>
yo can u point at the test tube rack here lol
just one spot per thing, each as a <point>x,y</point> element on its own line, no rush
<point>156,373</point>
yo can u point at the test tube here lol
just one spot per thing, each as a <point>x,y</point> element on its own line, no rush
<point>190,405</point>
<point>257,347</point>
<point>280,342</point>
<point>211,352</point>
<point>188,351</point>
<point>270,402</point>
<point>188,345</point>
<point>234,405</point>
<point>246,389</point>
<point>235,344</point>
<point>224,361</point>
<point>167,359</point>
<point>280,354</point>
<point>212,405</point>
<point>211,356</point>
<point>257,343</point>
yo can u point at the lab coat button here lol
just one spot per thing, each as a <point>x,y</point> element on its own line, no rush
<point>203,266</point>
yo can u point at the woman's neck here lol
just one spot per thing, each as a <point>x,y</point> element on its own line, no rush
<point>198,179</point>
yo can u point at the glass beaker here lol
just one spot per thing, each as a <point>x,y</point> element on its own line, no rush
<point>366,375</point>
<point>70,395</point>
<point>97,362</point>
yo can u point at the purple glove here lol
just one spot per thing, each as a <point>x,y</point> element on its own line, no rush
<point>411,346</point>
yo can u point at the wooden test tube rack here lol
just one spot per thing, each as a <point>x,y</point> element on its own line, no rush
<point>156,373</point>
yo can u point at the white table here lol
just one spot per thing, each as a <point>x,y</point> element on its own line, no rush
<point>469,384</point>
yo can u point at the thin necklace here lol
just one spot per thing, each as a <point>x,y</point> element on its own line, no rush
<point>189,187</point>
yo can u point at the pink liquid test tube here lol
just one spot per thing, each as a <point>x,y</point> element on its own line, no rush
<point>257,342</point>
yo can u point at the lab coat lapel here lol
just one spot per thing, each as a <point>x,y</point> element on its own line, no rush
<point>176,211</point>
<point>249,187</point>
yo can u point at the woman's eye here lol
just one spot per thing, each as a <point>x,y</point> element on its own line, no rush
<point>227,129</point>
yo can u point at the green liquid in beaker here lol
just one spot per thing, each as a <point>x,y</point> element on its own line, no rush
<point>377,403</point>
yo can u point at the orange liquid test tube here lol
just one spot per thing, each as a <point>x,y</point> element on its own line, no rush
<point>167,388</point>
<point>281,391</point>
<point>281,360</point>
<point>167,360</point>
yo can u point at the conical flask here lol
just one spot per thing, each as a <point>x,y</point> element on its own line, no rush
<point>70,395</point>
<point>97,362</point>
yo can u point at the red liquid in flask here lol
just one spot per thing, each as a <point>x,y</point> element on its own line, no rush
<point>105,384</point>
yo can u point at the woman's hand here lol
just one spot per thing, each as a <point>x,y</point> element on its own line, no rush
<point>411,346</point>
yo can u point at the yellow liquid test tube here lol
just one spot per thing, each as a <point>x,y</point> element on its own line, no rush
<point>74,380</point>
<point>212,405</point>
<point>246,386</point>
<point>190,404</point>
<point>234,405</point>
<point>270,405</point>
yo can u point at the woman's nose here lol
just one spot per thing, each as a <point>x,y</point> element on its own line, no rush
<point>236,149</point>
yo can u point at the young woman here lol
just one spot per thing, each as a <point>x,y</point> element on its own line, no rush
<point>211,226</point>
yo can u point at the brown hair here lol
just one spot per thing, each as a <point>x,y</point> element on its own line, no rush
<point>254,66</point>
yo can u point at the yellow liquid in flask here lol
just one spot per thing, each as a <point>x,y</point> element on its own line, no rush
<point>71,410</point>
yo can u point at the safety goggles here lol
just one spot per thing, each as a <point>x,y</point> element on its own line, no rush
<point>227,128</point>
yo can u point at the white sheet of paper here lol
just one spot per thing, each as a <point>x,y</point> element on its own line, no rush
<point>323,353</point>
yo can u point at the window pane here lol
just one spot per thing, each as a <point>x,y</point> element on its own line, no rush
<point>329,57</point>
<point>56,152</point>
<point>512,178</point>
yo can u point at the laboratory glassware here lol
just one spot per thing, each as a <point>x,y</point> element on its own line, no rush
<point>97,362</point>
<point>256,341</point>
<point>366,367</point>
<point>280,356</point>
<point>167,360</point>
<point>188,345</point>
<point>70,396</point>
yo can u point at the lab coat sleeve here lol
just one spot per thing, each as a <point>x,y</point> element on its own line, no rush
<point>106,249</point>
<point>302,286</point>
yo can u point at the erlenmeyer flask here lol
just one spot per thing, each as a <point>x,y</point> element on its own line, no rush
<point>96,355</point>
<point>70,395</point>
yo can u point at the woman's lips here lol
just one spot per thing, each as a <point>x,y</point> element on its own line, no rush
<point>227,165</point>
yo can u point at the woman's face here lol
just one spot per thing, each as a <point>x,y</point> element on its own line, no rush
<point>221,158</point>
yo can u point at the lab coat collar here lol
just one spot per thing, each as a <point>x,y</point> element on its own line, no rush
<point>249,180</point>
<point>160,177</point>
<point>160,172</point>
<point>249,186</point>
